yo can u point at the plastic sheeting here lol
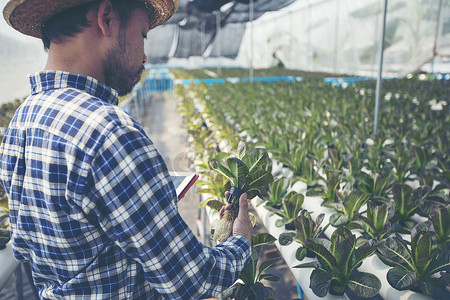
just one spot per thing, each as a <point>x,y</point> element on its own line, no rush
<point>193,32</point>
<point>337,36</point>
<point>343,36</point>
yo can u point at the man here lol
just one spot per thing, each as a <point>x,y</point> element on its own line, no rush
<point>92,206</point>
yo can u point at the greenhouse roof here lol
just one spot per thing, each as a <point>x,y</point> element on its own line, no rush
<point>192,30</point>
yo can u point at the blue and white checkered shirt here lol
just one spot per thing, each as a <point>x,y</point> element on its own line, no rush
<point>92,206</point>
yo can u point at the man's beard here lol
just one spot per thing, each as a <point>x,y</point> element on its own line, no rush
<point>117,71</point>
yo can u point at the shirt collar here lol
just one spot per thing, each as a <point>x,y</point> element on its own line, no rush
<point>51,80</point>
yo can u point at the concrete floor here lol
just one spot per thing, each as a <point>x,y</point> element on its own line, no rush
<point>162,123</point>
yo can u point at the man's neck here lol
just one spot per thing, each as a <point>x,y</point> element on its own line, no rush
<point>75,57</point>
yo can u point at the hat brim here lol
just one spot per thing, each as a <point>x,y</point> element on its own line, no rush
<point>28,16</point>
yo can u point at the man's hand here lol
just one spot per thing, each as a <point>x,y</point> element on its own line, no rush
<point>242,225</point>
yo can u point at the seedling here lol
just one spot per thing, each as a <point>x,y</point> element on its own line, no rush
<point>416,266</point>
<point>334,269</point>
<point>305,228</point>
<point>246,173</point>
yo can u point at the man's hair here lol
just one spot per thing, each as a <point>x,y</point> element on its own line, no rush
<point>72,21</point>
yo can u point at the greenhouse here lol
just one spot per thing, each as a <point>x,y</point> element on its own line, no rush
<point>332,116</point>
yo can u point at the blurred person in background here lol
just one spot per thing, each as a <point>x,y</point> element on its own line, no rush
<point>92,206</point>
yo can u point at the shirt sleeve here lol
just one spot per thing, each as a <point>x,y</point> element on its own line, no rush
<point>139,213</point>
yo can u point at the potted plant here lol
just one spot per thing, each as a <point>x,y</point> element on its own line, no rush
<point>347,208</point>
<point>376,225</point>
<point>246,173</point>
<point>277,190</point>
<point>419,265</point>
<point>305,228</point>
<point>335,269</point>
<point>291,205</point>
<point>249,285</point>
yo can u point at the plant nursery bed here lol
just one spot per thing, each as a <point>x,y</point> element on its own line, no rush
<point>372,264</point>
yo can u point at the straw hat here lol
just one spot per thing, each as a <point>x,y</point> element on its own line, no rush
<point>28,16</point>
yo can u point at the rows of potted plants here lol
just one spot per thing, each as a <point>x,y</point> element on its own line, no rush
<point>387,194</point>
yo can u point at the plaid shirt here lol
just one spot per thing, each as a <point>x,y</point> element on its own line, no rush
<point>92,205</point>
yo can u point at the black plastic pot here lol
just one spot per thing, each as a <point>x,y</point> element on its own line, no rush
<point>233,197</point>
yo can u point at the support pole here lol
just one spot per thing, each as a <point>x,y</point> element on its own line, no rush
<point>219,43</point>
<point>380,71</point>
<point>336,38</point>
<point>436,36</point>
<point>251,11</point>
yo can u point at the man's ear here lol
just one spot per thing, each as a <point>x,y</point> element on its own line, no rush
<point>105,17</point>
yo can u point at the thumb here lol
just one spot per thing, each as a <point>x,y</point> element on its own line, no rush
<point>243,206</point>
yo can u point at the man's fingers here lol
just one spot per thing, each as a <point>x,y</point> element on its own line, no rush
<point>243,206</point>
<point>223,209</point>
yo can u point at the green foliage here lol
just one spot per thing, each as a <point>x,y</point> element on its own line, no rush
<point>349,206</point>
<point>377,224</point>
<point>417,266</point>
<point>305,228</point>
<point>405,203</point>
<point>277,190</point>
<point>248,173</point>
<point>4,227</point>
<point>250,287</point>
<point>334,270</point>
<point>329,192</point>
<point>291,207</point>
<point>323,134</point>
<point>377,186</point>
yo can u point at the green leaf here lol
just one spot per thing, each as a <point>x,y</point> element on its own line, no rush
<point>238,168</point>
<point>259,239</point>
<point>292,205</point>
<point>286,238</point>
<point>204,203</point>
<point>215,205</point>
<point>428,287</point>
<point>220,167</point>
<point>353,203</point>
<point>267,264</point>
<point>362,253</point>
<point>338,219</point>
<point>404,203</point>
<point>423,246</point>
<point>313,264</point>
<point>4,237</point>
<point>242,149</point>
<point>269,277</point>
<point>401,279</point>
<point>320,282</point>
<point>259,178</point>
<point>440,218</point>
<point>248,275</point>
<point>257,157</point>
<point>281,222</point>
<point>440,263</point>
<point>342,242</point>
<point>378,214</point>
<point>277,189</point>
<point>301,253</point>
<point>325,258</point>
<point>396,252</point>
<point>304,226</point>
<point>365,285</point>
